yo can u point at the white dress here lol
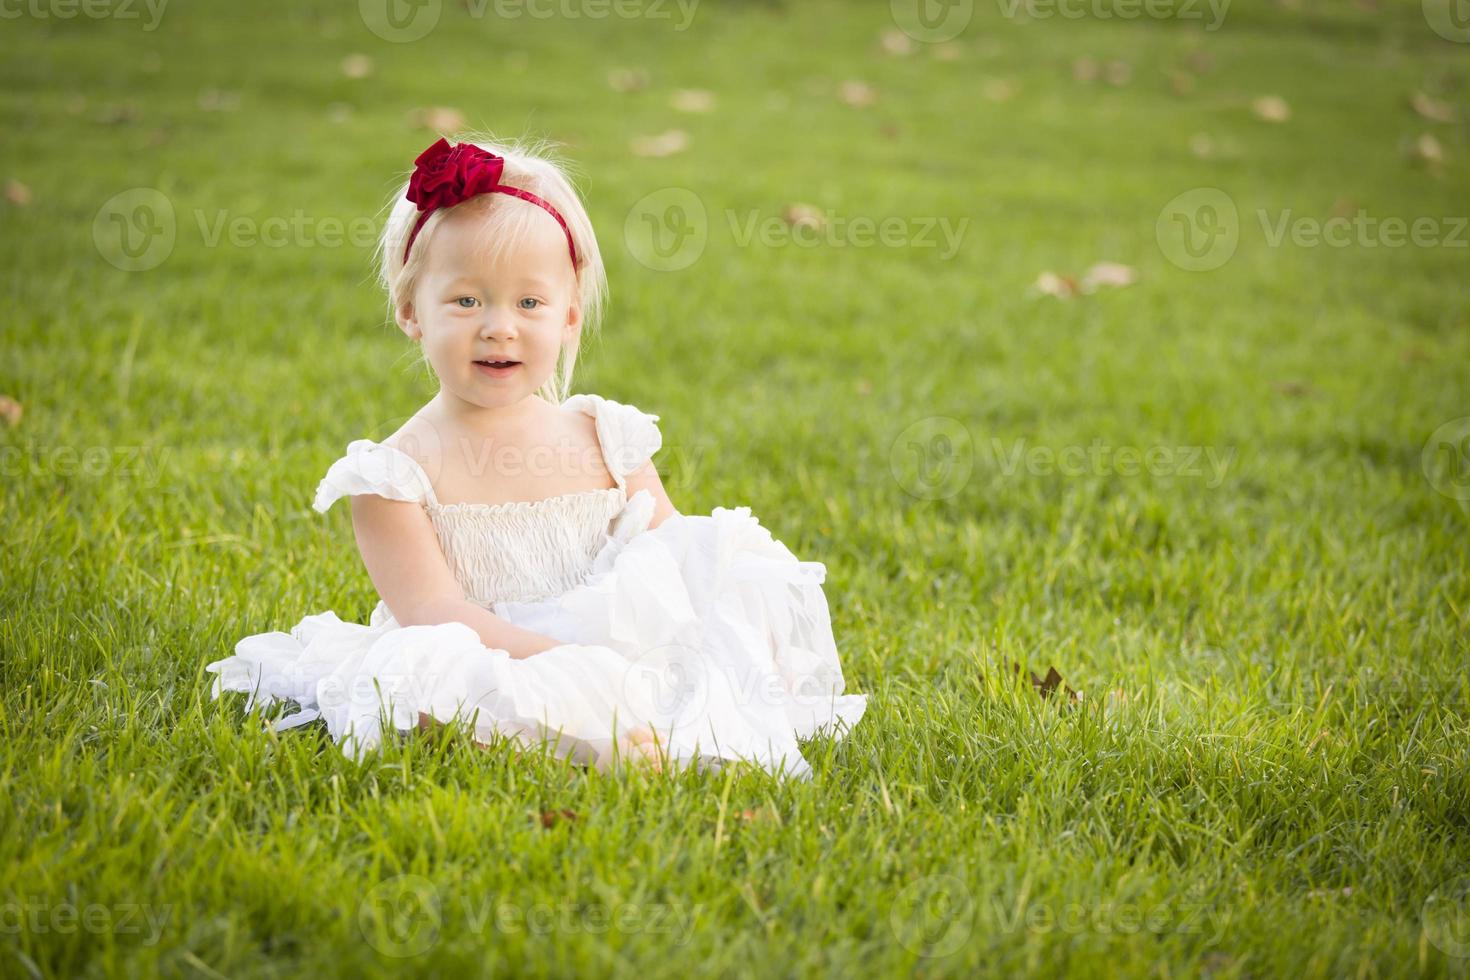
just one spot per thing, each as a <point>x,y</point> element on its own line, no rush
<point>705,631</point>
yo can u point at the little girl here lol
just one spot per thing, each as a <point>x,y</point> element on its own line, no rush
<point>535,579</point>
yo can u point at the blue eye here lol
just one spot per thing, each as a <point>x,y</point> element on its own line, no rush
<point>530,299</point>
<point>462,299</point>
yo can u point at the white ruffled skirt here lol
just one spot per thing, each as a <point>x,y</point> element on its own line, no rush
<point>704,639</point>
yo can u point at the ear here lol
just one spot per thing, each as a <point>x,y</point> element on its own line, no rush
<point>574,321</point>
<point>407,322</point>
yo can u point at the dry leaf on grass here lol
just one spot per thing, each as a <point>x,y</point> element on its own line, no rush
<point>1048,685</point>
<point>895,41</point>
<point>1051,284</point>
<point>1271,108</point>
<point>693,100</point>
<point>441,119</point>
<point>1292,388</point>
<point>803,216</point>
<point>1427,149</point>
<point>999,89</point>
<point>627,79</point>
<point>10,410</point>
<point>857,93</point>
<point>357,66</point>
<point>1118,73</point>
<point>664,144</point>
<point>1112,274</point>
<point>1432,109</point>
<point>550,818</point>
<point>115,115</point>
<point>17,193</point>
<point>219,100</point>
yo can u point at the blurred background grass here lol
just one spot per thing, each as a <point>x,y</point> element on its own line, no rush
<point>1279,651</point>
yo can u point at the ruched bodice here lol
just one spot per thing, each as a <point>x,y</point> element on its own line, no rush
<point>519,551</point>
<point>522,552</point>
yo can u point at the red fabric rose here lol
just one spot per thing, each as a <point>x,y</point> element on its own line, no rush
<point>443,176</point>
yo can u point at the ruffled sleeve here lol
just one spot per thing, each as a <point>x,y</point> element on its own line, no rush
<point>629,436</point>
<point>370,467</point>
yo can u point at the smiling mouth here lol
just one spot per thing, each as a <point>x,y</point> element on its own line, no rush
<point>501,365</point>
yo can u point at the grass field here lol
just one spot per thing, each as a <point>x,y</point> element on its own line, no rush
<point>1222,500</point>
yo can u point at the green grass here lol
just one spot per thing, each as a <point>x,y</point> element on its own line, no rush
<point>1267,775</point>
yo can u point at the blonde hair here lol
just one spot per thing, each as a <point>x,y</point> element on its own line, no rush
<point>532,165</point>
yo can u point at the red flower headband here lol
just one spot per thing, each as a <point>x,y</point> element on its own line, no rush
<point>444,176</point>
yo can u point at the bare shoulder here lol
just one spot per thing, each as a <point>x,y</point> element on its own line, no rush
<point>420,438</point>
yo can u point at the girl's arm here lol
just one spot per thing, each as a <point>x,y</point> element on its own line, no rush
<point>646,478</point>
<point>407,566</point>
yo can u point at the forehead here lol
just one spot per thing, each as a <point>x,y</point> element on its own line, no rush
<point>502,242</point>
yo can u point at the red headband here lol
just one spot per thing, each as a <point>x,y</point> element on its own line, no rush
<point>443,176</point>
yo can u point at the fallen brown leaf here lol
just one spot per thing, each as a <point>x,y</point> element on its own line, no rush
<point>803,216</point>
<point>857,93</point>
<point>693,100</point>
<point>627,79</point>
<point>1111,274</point>
<point>1048,685</point>
<point>550,818</point>
<point>219,100</point>
<point>1427,149</point>
<point>10,410</point>
<point>999,89</point>
<point>664,144</point>
<point>1271,108</point>
<point>17,193</point>
<point>1051,284</point>
<point>895,41</point>
<point>1292,388</point>
<point>357,66</point>
<point>1432,109</point>
<point>440,119</point>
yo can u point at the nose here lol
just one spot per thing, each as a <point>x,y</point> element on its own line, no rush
<point>497,325</point>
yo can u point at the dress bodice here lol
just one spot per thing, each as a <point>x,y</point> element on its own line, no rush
<point>519,551</point>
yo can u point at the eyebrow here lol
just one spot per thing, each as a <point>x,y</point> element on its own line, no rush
<point>535,282</point>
